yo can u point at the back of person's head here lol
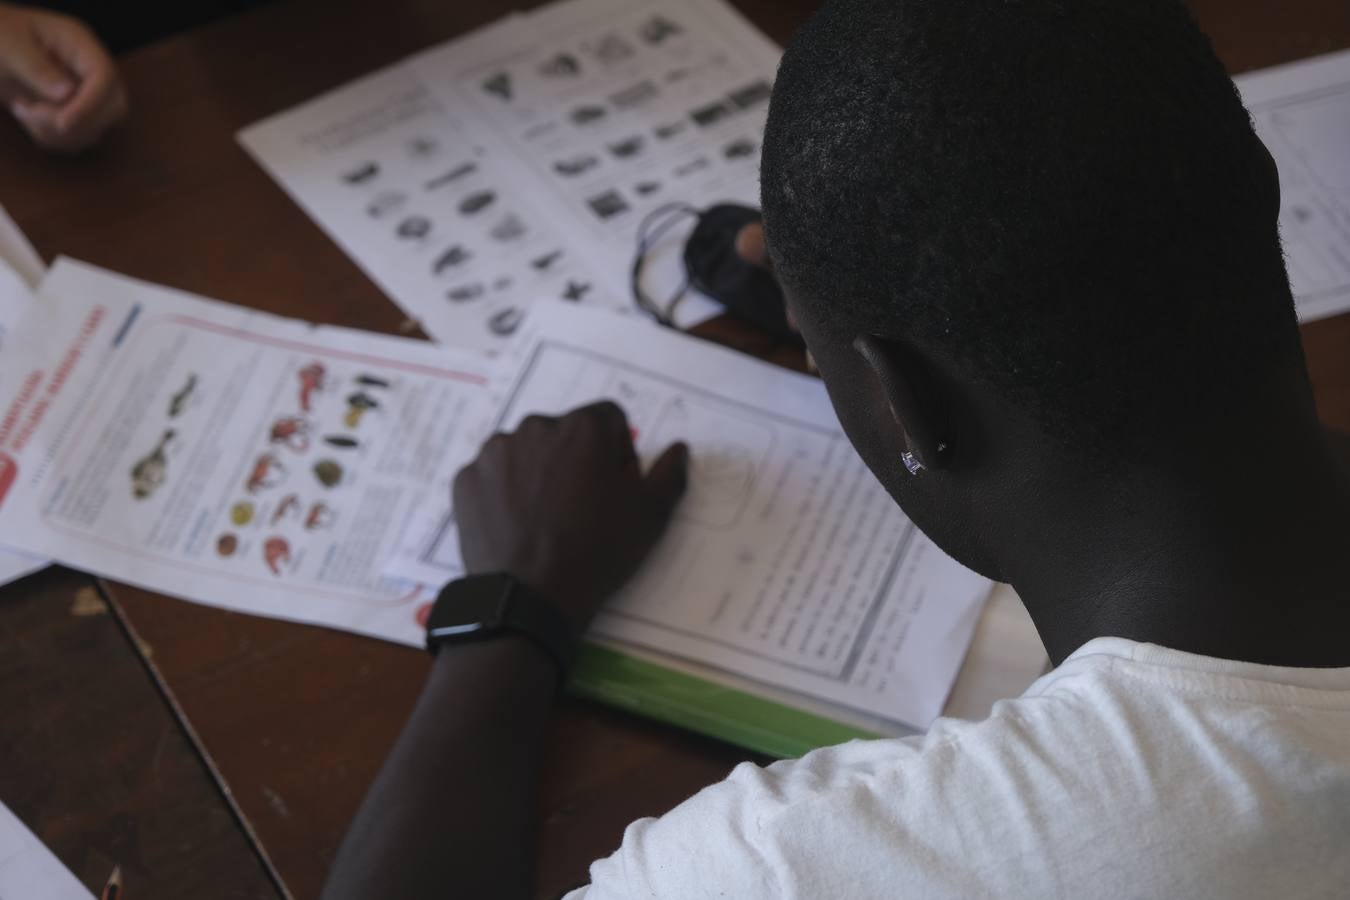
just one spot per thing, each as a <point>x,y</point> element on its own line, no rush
<point>1065,198</point>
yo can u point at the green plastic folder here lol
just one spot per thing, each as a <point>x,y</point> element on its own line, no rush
<point>657,692</point>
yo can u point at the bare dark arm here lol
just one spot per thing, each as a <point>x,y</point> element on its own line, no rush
<point>448,815</point>
<point>563,506</point>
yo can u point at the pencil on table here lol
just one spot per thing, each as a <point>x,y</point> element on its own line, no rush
<point>113,889</point>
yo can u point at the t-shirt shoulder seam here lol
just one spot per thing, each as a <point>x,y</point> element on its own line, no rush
<point>1183,682</point>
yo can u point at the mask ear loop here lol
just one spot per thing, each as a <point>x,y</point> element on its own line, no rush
<point>655,226</point>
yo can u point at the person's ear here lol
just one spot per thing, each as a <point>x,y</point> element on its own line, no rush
<point>911,392</point>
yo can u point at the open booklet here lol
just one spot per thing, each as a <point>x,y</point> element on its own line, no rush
<point>221,454</point>
<point>269,466</point>
<point>787,564</point>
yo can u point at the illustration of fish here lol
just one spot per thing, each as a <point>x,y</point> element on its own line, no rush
<point>151,470</point>
<point>178,402</point>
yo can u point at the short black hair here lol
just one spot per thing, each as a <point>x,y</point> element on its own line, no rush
<point>1064,196</point>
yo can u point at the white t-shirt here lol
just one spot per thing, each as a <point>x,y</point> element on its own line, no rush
<point>1129,771</point>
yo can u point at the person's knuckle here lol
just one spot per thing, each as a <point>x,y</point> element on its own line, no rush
<point>536,422</point>
<point>611,409</point>
<point>494,446</point>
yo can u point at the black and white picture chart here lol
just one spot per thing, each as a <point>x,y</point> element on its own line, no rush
<point>616,108</point>
<point>786,561</point>
<point>430,210</point>
<point>1302,113</point>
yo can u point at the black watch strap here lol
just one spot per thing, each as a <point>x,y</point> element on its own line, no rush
<point>480,606</point>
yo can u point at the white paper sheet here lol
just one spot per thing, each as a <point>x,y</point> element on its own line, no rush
<point>223,455</point>
<point>614,108</point>
<point>15,300</point>
<point>18,252</point>
<point>518,162</point>
<point>28,870</point>
<point>1302,113</point>
<point>787,562</point>
<point>435,215</point>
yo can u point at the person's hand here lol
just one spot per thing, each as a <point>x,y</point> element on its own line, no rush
<point>57,79</point>
<point>562,504</point>
<point>750,246</point>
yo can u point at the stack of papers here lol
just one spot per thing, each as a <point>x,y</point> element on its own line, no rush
<point>20,270</point>
<point>264,465</point>
<point>517,163</point>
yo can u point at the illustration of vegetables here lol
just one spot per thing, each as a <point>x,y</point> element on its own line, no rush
<point>328,471</point>
<point>241,513</point>
<point>357,405</point>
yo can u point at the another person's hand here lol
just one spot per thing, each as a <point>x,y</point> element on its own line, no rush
<point>563,505</point>
<point>57,79</point>
<point>750,246</point>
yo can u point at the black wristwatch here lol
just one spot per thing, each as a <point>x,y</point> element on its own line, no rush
<point>481,606</point>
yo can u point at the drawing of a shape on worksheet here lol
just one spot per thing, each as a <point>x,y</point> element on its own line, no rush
<point>729,451</point>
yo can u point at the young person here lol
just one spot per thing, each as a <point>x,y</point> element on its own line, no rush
<point>1032,247</point>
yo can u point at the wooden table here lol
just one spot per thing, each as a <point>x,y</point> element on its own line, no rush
<point>298,719</point>
<point>95,761</point>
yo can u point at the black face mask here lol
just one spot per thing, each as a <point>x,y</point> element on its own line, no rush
<point>712,266</point>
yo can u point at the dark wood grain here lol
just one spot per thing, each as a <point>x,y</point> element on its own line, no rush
<point>93,760</point>
<point>298,719</point>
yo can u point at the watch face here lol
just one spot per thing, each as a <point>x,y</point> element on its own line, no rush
<point>469,605</point>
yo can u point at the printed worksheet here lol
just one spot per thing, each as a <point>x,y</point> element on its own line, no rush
<point>1302,113</point>
<point>787,562</point>
<point>15,300</point>
<point>220,454</point>
<point>434,214</point>
<point>28,870</point>
<point>617,108</point>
